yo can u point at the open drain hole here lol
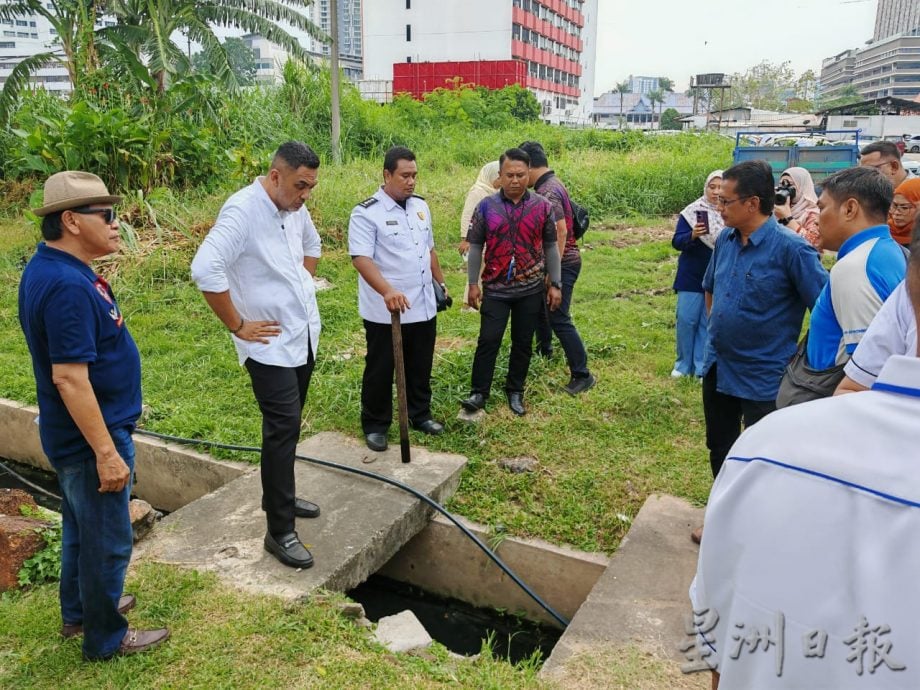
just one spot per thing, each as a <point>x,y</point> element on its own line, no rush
<point>457,625</point>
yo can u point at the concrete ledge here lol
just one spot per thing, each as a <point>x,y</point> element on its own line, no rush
<point>641,599</point>
<point>441,560</point>
<point>363,523</point>
<point>168,476</point>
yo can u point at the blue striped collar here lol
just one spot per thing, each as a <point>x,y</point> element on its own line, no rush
<point>900,375</point>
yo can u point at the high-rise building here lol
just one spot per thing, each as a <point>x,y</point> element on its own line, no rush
<point>350,34</point>
<point>642,85</point>
<point>888,66</point>
<point>548,46</point>
<point>896,17</point>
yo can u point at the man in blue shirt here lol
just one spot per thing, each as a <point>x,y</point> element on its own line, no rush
<point>761,279</point>
<point>88,380</point>
<point>854,206</point>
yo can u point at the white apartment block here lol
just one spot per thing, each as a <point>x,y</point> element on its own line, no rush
<point>555,40</point>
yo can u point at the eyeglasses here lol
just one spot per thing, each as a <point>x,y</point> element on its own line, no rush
<point>108,214</point>
<point>728,202</point>
<point>877,166</point>
<point>903,208</point>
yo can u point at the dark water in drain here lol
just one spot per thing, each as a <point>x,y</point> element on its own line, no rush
<point>46,480</point>
<point>457,625</point>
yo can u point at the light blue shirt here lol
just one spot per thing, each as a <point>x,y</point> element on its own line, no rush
<point>399,241</point>
<point>869,267</point>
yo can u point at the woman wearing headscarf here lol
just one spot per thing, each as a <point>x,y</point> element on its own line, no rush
<point>904,210</point>
<point>800,212</point>
<point>698,226</point>
<point>485,185</point>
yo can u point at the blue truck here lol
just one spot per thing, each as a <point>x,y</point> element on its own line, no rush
<point>809,150</point>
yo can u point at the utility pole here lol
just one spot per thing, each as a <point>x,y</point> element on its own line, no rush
<point>334,91</point>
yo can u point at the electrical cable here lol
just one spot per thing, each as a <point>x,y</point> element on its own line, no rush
<point>392,482</point>
<point>31,485</point>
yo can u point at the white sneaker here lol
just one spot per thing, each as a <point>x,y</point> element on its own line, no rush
<point>676,374</point>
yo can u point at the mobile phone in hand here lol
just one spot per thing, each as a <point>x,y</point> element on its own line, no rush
<point>703,217</point>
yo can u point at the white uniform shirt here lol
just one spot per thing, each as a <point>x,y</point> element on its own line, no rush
<point>256,252</point>
<point>893,331</point>
<point>808,535</point>
<point>399,242</point>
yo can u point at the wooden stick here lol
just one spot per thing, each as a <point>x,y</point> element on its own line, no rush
<point>402,404</point>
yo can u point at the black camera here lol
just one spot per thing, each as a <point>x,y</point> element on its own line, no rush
<point>784,194</point>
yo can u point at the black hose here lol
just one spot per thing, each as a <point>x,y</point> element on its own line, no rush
<point>392,482</point>
<point>31,485</point>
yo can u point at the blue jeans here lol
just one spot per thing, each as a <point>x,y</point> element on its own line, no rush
<point>96,548</point>
<point>692,332</point>
<point>560,323</point>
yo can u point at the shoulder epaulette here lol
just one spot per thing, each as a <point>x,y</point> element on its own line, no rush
<point>370,201</point>
<point>419,196</point>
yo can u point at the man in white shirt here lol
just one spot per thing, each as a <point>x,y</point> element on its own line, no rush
<point>391,244</point>
<point>810,548</point>
<point>255,269</point>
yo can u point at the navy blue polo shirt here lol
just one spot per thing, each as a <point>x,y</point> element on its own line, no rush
<point>69,314</point>
<point>760,292</point>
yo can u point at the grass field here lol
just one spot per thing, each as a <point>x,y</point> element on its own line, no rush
<point>600,455</point>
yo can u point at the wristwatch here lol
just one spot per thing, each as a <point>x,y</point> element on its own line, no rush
<point>556,284</point>
<point>784,221</point>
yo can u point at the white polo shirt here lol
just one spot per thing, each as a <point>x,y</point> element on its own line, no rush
<point>256,252</point>
<point>399,241</point>
<point>893,331</point>
<point>811,550</point>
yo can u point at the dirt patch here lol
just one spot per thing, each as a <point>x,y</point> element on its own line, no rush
<point>621,235</point>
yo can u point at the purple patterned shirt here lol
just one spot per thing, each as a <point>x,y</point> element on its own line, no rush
<point>513,235</point>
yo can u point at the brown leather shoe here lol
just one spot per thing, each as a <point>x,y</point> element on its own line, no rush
<point>696,536</point>
<point>136,640</point>
<point>125,604</point>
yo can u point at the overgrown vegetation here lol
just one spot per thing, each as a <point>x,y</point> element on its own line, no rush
<point>45,565</point>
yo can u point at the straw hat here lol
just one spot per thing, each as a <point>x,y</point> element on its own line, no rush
<point>72,189</point>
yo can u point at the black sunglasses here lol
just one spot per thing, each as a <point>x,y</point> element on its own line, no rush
<point>108,214</point>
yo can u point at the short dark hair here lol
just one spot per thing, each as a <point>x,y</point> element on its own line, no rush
<point>868,186</point>
<point>394,155</point>
<point>52,229</point>
<point>295,155</point>
<point>537,154</point>
<point>514,155</point>
<point>888,149</point>
<point>754,178</point>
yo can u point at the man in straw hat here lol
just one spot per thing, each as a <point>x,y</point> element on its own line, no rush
<point>88,377</point>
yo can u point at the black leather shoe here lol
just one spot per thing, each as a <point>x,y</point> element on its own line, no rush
<point>474,403</point>
<point>288,549</point>
<point>429,426</point>
<point>305,509</point>
<point>580,385</point>
<point>302,508</point>
<point>516,403</point>
<point>376,441</point>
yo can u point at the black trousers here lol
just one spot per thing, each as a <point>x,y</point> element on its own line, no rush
<point>493,319</point>
<point>724,416</point>
<point>281,393</point>
<point>377,386</point>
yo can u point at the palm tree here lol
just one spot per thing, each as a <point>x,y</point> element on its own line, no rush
<point>621,88</point>
<point>146,27</point>
<point>656,96</point>
<point>665,84</point>
<point>73,22</point>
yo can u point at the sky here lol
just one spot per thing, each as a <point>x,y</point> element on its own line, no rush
<point>678,38</point>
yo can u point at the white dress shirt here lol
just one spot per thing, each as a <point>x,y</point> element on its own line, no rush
<point>256,252</point>
<point>811,529</point>
<point>399,241</point>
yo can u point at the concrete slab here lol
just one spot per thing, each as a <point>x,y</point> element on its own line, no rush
<point>363,521</point>
<point>641,599</point>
